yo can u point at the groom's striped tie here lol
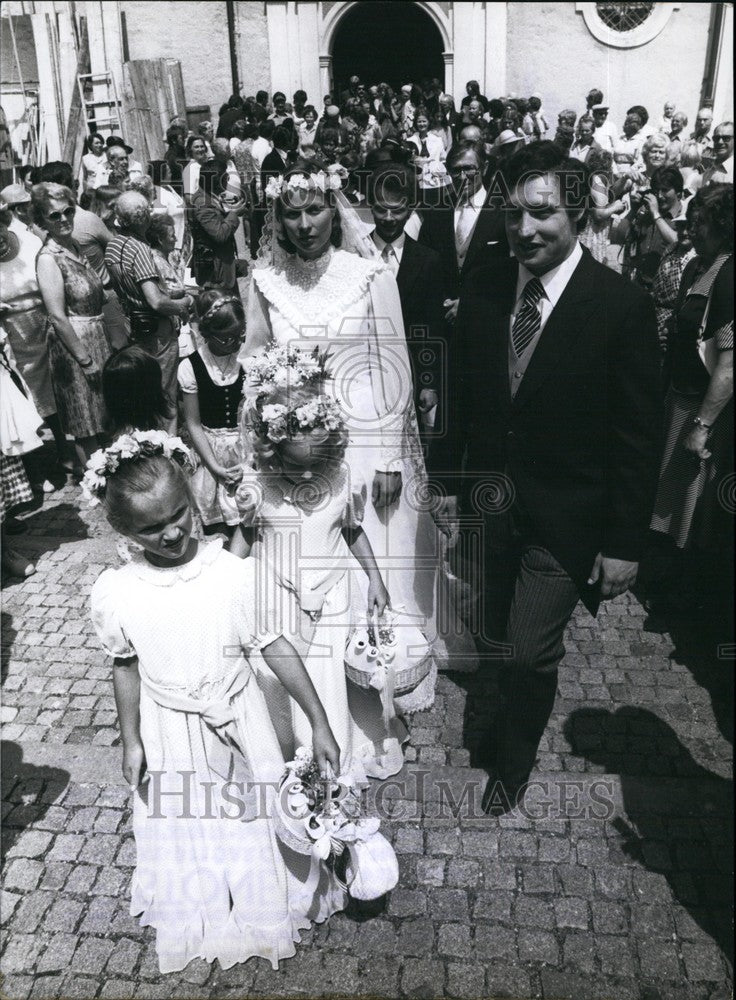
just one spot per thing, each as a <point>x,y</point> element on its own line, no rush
<point>528,321</point>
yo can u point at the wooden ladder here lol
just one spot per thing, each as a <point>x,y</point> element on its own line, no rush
<point>103,112</point>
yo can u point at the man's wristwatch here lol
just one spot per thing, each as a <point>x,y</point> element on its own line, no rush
<point>700,423</point>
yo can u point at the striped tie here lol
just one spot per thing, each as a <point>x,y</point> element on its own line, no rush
<point>528,321</point>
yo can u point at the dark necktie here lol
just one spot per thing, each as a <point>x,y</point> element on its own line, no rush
<point>424,151</point>
<point>528,321</point>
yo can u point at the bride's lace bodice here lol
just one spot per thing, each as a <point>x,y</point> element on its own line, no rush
<point>349,306</point>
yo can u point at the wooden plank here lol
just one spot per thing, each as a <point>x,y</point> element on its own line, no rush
<point>76,129</point>
<point>67,62</point>
<point>47,96</point>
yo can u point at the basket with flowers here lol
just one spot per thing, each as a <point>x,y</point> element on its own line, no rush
<point>323,817</point>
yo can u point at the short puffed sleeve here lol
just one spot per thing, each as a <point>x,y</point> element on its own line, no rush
<point>185,376</point>
<point>355,505</point>
<point>105,604</point>
<point>262,605</point>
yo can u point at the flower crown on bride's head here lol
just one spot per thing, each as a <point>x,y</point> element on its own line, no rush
<point>321,181</point>
<point>131,448</point>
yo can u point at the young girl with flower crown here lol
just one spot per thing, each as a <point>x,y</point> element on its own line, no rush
<point>183,621</point>
<point>301,515</point>
<point>211,382</point>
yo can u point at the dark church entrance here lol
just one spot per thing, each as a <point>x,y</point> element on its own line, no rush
<point>392,42</point>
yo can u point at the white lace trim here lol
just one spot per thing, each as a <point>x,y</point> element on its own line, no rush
<point>167,576</point>
<point>314,293</point>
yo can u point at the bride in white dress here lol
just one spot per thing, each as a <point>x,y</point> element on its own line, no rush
<point>308,292</point>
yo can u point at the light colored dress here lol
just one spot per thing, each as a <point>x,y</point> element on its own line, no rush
<point>300,537</point>
<point>24,318</point>
<point>349,306</point>
<point>80,405</point>
<point>215,885</point>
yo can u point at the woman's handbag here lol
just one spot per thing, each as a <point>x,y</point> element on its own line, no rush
<point>390,655</point>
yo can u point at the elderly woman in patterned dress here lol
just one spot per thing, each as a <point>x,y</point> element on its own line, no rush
<point>73,295</point>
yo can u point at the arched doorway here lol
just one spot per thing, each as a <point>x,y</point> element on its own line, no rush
<point>389,41</point>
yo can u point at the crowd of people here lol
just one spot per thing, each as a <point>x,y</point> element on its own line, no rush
<point>435,332</point>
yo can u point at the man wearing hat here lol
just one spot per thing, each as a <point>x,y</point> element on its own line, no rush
<point>18,199</point>
<point>119,167</point>
<point>606,132</point>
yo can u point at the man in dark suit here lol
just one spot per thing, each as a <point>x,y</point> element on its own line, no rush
<point>275,162</point>
<point>469,232</point>
<point>392,197</point>
<point>556,410</point>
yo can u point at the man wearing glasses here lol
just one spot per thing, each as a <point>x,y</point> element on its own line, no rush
<point>721,171</point>
<point>469,233</point>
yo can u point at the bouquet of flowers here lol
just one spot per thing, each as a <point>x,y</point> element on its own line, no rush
<point>283,368</point>
<point>130,448</point>
<point>390,654</point>
<point>324,818</point>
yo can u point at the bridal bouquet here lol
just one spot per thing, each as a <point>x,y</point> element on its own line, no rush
<point>324,818</point>
<point>283,368</point>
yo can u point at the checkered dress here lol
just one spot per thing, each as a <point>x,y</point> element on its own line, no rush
<point>14,486</point>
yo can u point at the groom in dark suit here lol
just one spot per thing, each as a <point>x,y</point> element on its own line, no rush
<point>556,412</point>
<point>392,197</point>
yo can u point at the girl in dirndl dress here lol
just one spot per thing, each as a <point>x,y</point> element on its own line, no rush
<point>211,382</point>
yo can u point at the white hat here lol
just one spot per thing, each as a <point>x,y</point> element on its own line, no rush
<point>599,107</point>
<point>506,137</point>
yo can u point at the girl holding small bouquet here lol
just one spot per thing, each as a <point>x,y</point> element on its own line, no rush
<point>183,621</point>
<point>301,513</point>
<point>211,381</point>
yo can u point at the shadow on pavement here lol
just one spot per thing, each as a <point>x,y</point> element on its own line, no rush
<point>31,790</point>
<point>679,815</point>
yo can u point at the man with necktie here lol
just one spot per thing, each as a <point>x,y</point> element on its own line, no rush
<point>392,197</point>
<point>556,416</point>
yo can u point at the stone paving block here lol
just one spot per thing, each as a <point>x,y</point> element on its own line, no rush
<point>8,903</point>
<point>63,915</point>
<point>538,946</point>
<point>448,904</point>
<point>430,871</point>
<point>464,873</point>
<point>578,951</point>
<point>554,848</point>
<point>56,874</point>
<point>407,903</point>
<point>500,875</point>
<point>517,845</point>
<point>21,952</point>
<point>99,915</point>
<point>409,840</point>
<point>658,959</point>
<point>422,978</point>
<point>465,981</point>
<point>575,881</point>
<point>376,937</point>
<point>615,883</point>
<point>492,941</point>
<point>480,844</point>
<point>123,959</point>
<point>616,956</point>
<point>537,878</point>
<point>17,987</point>
<point>46,988</point>
<point>125,857</point>
<point>571,912</point>
<point>79,988</point>
<point>454,940</point>
<point>31,912</point>
<point>653,920</point>
<point>67,847</point>
<point>442,842</point>
<point>23,874</point>
<point>703,961</point>
<point>30,844</point>
<point>416,937</point>
<point>508,981</point>
<point>379,977</point>
<point>100,849</point>
<point>495,906</point>
<point>567,986</point>
<point>117,989</point>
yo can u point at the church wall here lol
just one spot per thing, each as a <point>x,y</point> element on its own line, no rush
<point>551,50</point>
<point>251,31</point>
<point>194,33</point>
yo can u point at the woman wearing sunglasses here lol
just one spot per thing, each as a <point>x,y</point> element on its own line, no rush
<point>73,295</point>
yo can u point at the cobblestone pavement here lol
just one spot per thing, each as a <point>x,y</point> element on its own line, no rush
<point>633,903</point>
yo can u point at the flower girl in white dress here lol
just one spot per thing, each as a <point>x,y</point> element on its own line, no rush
<point>302,513</point>
<point>184,622</point>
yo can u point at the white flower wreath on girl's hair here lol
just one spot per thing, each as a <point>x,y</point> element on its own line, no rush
<point>130,448</point>
<point>321,181</point>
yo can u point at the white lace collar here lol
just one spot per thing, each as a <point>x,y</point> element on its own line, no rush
<point>314,293</point>
<point>167,576</point>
